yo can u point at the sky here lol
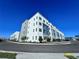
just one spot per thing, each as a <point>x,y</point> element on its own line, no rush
<point>64,14</point>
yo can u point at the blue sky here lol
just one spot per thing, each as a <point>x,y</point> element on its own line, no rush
<point>64,14</point>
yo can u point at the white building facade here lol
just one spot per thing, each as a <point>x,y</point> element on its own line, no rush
<point>39,27</point>
<point>15,36</point>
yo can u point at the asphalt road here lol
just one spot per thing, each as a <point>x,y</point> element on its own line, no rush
<point>7,46</point>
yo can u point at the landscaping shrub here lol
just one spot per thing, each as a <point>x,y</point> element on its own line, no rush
<point>8,55</point>
<point>77,39</point>
<point>1,40</point>
<point>48,39</point>
<point>71,57</point>
<point>40,39</point>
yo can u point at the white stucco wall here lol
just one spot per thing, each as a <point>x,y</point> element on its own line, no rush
<point>15,35</point>
<point>31,25</point>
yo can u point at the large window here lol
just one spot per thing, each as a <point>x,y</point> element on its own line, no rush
<point>53,33</point>
<point>24,27</point>
<point>40,37</point>
<point>36,37</point>
<point>36,23</point>
<point>25,23</point>
<point>61,36</point>
<point>27,31</point>
<point>29,22</point>
<point>40,23</point>
<point>36,29</point>
<point>33,30</point>
<point>57,34</point>
<point>40,18</point>
<point>44,21</point>
<point>33,37</point>
<point>46,29</point>
<point>36,17</point>
<point>40,30</point>
<point>33,24</point>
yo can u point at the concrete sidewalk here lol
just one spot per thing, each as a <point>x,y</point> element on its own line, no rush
<point>25,55</point>
<point>40,56</point>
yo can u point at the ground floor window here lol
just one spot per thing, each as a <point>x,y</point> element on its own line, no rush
<point>33,37</point>
<point>40,30</point>
<point>36,37</point>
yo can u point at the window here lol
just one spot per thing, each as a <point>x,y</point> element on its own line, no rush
<point>27,38</point>
<point>40,18</point>
<point>47,22</point>
<point>40,30</point>
<point>33,30</point>
<point>29,22</point>
<point>36,37</point>
<point>51,26</point>
<point>54,33</point>
<point>40,37</point>
<point>36,23</point>
<point>23,32</point>
<point>33,37</point>
<point>36,17</point>
<point>27,31</point>
<point>24,27</point>
<point>44,30</point>
<point>57,34</point>
<point>44,21</point>
<point>33,24</point>
<point>61,36</point>
<point>40,23</point>
<point>36,29</point>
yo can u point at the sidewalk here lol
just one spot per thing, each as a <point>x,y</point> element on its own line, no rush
<point>40,56</point>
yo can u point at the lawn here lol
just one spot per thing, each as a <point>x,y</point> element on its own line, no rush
<point>8,55</point>
<point>69,56</point>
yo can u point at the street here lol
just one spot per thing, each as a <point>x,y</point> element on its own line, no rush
<point>8,46</point>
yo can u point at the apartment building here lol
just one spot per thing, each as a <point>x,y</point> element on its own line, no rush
<point>15,36</point>
<point>39,27</point>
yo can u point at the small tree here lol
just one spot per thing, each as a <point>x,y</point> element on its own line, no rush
<point>14,40</point>
<point>1,40</point>
<point>58,40</point>
<point>54,40</point>
<point>71,57</point>
<point>23,38</point>
<point>40,39</point>
<point>48,39</point>
<point>77,39</point>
